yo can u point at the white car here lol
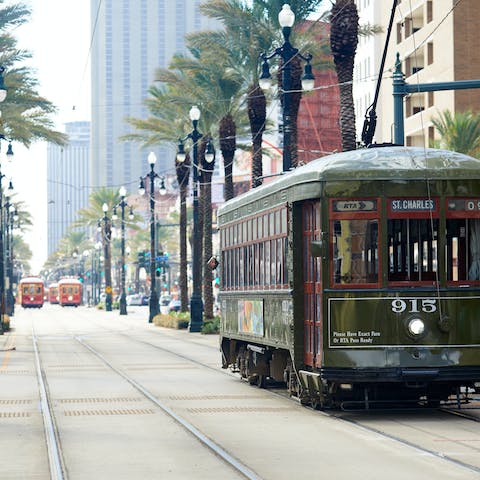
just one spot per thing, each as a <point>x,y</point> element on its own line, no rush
<point>134,299</point>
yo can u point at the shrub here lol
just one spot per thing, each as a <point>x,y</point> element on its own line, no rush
<point>211,326</point>
<point>171,321</point>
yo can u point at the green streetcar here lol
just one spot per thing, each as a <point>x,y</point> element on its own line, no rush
<point>355,279</point>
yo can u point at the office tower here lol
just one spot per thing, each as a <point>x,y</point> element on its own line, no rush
<point>68,177</point>
<point>130,40</point>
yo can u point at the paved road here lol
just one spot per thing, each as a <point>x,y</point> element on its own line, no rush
<point>128,400</point>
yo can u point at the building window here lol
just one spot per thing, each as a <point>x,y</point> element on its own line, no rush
<point>429,11</point>
<point>429,53</point>
<point>399,32</point>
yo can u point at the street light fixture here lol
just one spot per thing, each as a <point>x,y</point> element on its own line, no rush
<point>196,303</point>
<point>153,303</point>
<point>287,53</point>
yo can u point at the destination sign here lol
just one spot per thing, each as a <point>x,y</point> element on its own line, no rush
<point>464,205</point>
<point>355,206</point>
<point>413,205</point>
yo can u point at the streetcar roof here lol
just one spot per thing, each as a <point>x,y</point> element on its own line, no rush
<point>31,280</point>
<point>73,281</point>
<point>385,163</point>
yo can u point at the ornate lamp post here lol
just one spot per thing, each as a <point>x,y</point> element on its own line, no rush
<point>105,226</point>
<point>287,53</point>
<point>8,229</point>
<point>196,303</point>
<point>9,154</point>
<point>95,274</point>
<point>122,205</point>
<point>154,308</point>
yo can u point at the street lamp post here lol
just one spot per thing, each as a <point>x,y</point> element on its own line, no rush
<point>96,281</point>
<point>106,239</point>
<point>154,308</point>
<point>287,53</point>
<point>11,215</point>
<point>3,95</point>
<point>196,303</point>
<point>2,238</point>
<point>123,296</point>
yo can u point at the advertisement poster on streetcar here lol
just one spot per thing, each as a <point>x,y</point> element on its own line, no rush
<point>250,316</point>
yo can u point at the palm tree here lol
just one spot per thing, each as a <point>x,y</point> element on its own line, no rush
<point>25,114</point>
<point>258,32</point>
<point>244,36</point>
<point>343,43</point>
<point>89,216</point>
<point>224,91</point>
<point>459,132</point>
<point>22,254</point>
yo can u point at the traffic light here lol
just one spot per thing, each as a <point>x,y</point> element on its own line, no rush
<point>141,260</point>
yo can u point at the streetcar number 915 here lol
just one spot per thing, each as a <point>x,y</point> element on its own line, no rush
<point>414,305</point>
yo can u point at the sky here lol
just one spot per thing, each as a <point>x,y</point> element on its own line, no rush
<point>58,37</point>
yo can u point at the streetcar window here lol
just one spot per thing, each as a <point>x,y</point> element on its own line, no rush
<point>283,221</point>
<point>412,249</point>
<point>463,249</point>
<point>355,251</point>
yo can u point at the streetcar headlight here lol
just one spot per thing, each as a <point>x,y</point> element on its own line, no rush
<point>416,326</point>
<point>70,298</point>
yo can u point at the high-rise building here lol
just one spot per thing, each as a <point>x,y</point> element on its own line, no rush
<point>68,177</point>
<point>131,39</point>
<point>437,41</point>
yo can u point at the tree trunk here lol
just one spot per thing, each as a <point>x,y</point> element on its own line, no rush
<point>227,133</point>
<point>343,43</point>
<point>257,115</point>
<point>207,245</point>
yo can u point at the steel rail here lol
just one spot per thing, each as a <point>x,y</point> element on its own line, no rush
<point>54,455</point>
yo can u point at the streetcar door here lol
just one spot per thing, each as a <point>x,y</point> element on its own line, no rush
<point>312,285</point>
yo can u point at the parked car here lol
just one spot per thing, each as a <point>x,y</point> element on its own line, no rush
<point>165,300</point>
<point>134,299</point>
<point>174,306</point>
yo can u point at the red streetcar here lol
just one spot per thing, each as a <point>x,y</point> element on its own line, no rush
<point>31,291</point>
<point>53,293</point>
<point>69,292</point>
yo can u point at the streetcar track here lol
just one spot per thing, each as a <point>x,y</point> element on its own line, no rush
<point>405,442</point>
<point>282,394</point>
<point>214,447</point>
<point>56,462</point>
<point>331,414</point>
<point>55,459</point>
